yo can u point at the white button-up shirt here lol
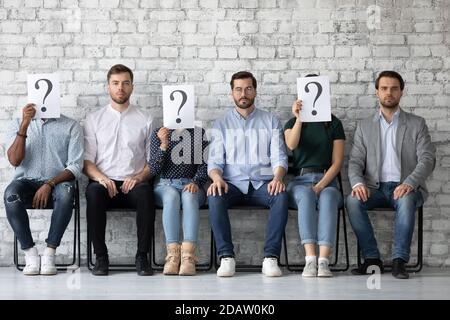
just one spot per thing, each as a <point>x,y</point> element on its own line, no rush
<point>118,143</point>
<point>390,163</point>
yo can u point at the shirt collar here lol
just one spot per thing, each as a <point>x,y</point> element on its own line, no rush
<point>394,118</point>
<point>240,117</point>
<point>114,111</point>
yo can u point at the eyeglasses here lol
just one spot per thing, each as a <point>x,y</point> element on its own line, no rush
<point>248,90</point>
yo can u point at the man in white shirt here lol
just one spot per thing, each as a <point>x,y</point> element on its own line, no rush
<point>117,141</point>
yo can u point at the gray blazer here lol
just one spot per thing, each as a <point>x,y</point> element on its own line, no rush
<point>413,148</point>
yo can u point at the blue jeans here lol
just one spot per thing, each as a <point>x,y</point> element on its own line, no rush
<point>317,216</point>
<point>405,210</point>
<point>170,196</point>
<point>220,221</point>
<point>18,197</point>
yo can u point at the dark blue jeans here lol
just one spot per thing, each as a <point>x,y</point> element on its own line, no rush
<point>220,221</point>
<point>18,197</point>
<point>405,210</point>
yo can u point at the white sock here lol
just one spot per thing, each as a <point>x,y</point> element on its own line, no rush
<point>31,251</point>
<point>49,251</point>
<point>324,260</point>
<point>310,259</point>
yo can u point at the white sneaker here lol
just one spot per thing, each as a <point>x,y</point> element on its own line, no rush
<point>48,265</point>
<point>227,267</point>
<point>270,268</point>
<point>32,264</point>
<point>310,269</point>
<point>324,269</point>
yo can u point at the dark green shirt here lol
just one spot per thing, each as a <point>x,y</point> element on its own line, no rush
<point>315,148</point>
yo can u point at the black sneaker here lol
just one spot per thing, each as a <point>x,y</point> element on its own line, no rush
<point>399,269</point>
<point>101,266</point>
<point>362,269</point>
<point>143,268</point>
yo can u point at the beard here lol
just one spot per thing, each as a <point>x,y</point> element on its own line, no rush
<point>244,105</point>
<point>121,100</point>
<point>393,104</point>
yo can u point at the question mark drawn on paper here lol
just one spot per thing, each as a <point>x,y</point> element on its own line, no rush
<point>49,89</point>
<point>319,92</point>
<point>184,95</point>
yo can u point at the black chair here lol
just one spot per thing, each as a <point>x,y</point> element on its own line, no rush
<point>249,267</point>
<point>419,263</point>
<point>341,213</point>
<point>112,266</point>
<point>199,266</point>
<point>76,258</point>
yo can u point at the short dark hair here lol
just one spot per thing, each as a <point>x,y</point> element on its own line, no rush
<point>390,74</point>
<point>119,68</point>
<point>242,75</point>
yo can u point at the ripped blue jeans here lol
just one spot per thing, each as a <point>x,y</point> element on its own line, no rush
<point>18,197</point>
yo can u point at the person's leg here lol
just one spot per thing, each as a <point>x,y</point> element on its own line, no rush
<point>168,198</point>
<point>62,195</point>
<point>191,218</point>
<point>191,203</point>
<point>330,200</point>
<point>405,213</point>
<point>97,200</point>
<point>141,198</point>
<point>17,196</point>
<point>278,213</point>
<point>220,221</point>
<point>305,200</point>
<point>359,219</point>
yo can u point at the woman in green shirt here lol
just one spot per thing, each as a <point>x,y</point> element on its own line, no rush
<point>318,152</point>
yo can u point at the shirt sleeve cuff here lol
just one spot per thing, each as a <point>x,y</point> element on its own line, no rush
<point>75,170</point>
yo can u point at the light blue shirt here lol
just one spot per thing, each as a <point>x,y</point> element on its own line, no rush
<point>390,164</point>
<point>247,150</point>
<point>51,147</point>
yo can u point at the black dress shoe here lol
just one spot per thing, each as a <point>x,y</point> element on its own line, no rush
<point>101,266</point>
<point>399,269</point>
<point>142,266</point>
<point>362,269</point>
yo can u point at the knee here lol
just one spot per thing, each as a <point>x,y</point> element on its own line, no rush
<point>302,193</point>
<point>352,204</point>
<point>64,192</point>
<point>188,197</point>
<point>95,190</point>
<point>282,197</point>
<point>330,195</point>
<point>171,196</point>
<point>215,201</point>
<point>11,194</point>
<point>407,201</point>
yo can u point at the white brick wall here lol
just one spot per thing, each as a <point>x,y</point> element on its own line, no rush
<point>204,42</point>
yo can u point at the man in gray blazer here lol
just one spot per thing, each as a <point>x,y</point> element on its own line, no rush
<point>391,158</point>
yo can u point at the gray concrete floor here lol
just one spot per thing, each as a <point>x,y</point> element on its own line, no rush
<point>430,283</point>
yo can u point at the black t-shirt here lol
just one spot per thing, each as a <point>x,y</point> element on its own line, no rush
<point>315,147</point>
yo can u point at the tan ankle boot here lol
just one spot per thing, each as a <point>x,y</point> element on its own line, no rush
<point>172,265</point>
<point>188,259</point>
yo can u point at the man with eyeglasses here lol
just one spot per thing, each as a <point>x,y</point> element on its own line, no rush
<point>247,163</point>
<point>117,140</point>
